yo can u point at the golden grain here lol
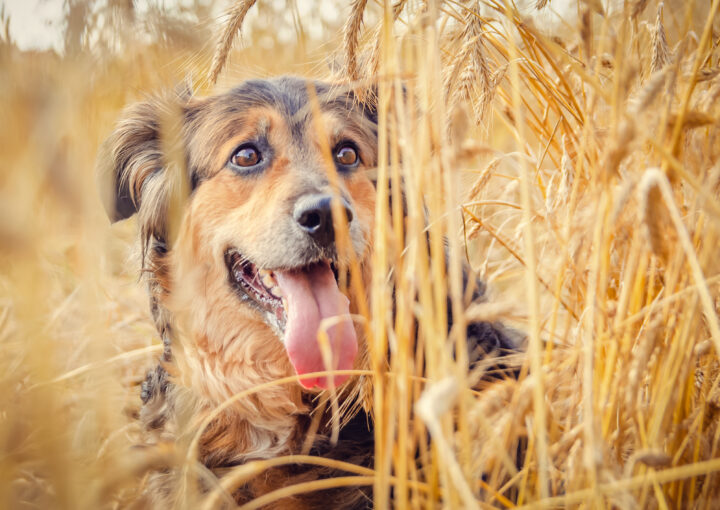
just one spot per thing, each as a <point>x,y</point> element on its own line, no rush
<point>236,15</point>
<point>661,52</point>
<point>351,35</point>
<point>655,219</point>
<point>626,257</point>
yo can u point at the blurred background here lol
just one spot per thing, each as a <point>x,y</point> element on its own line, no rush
<point>557,110</point>
<point>75,328</point>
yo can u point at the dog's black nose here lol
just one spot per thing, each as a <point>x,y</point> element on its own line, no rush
<point>314,215</point>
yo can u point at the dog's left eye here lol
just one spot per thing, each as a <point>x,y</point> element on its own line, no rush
<point>346,155</point>
<point>247,155</point>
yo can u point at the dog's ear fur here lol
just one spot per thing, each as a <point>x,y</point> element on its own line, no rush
<point>132,156</point>
<point>128,157</point>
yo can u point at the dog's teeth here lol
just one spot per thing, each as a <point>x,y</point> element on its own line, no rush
<point>237,274</point>
<point>267,279</point>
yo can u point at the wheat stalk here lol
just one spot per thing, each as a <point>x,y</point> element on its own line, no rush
<point>351,36</point>
<point>624,321</point>
<point>236,16</point>
<point>661,52</point>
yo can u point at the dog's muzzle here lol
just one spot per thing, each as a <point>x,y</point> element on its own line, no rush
<point>313,213</point>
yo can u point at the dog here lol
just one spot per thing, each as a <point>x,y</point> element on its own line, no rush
<point>259,254</point>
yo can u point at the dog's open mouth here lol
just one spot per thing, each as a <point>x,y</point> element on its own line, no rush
<point>260,285</point>
<point>306,308</point>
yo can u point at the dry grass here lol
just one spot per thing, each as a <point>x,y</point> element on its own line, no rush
<point>592,156</point>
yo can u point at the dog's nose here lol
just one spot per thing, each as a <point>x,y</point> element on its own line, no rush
<point>314,215</point>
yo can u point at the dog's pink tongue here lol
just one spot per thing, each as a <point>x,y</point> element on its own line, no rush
<point>312,295</point>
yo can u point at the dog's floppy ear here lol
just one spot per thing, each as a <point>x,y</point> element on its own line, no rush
<point>128,157</point>
<point>132,154</point>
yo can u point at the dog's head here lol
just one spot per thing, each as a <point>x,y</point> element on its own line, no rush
<point>278,203</point>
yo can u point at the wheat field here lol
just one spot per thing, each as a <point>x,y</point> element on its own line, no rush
<point>569,151</point>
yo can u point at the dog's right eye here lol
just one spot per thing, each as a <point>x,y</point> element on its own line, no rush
<point>246,155</point>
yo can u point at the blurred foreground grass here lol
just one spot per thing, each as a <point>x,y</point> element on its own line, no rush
<point>587,163</point>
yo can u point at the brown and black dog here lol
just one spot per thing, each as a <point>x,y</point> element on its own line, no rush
<point>248,276</point>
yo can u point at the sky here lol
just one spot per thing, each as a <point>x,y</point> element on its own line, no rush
<point>35,24</point>
<point>38,24</point>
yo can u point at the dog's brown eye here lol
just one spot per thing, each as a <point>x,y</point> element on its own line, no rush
<point>246,156</point>
<point>346,155</point>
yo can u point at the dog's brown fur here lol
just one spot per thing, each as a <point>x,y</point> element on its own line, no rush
<point>221,346</point>
<point>216,345</point>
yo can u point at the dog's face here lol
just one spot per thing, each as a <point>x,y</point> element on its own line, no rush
<point>279,204</point>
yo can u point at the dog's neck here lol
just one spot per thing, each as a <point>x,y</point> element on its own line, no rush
<point>263,419</point>
<point>215,352</point>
